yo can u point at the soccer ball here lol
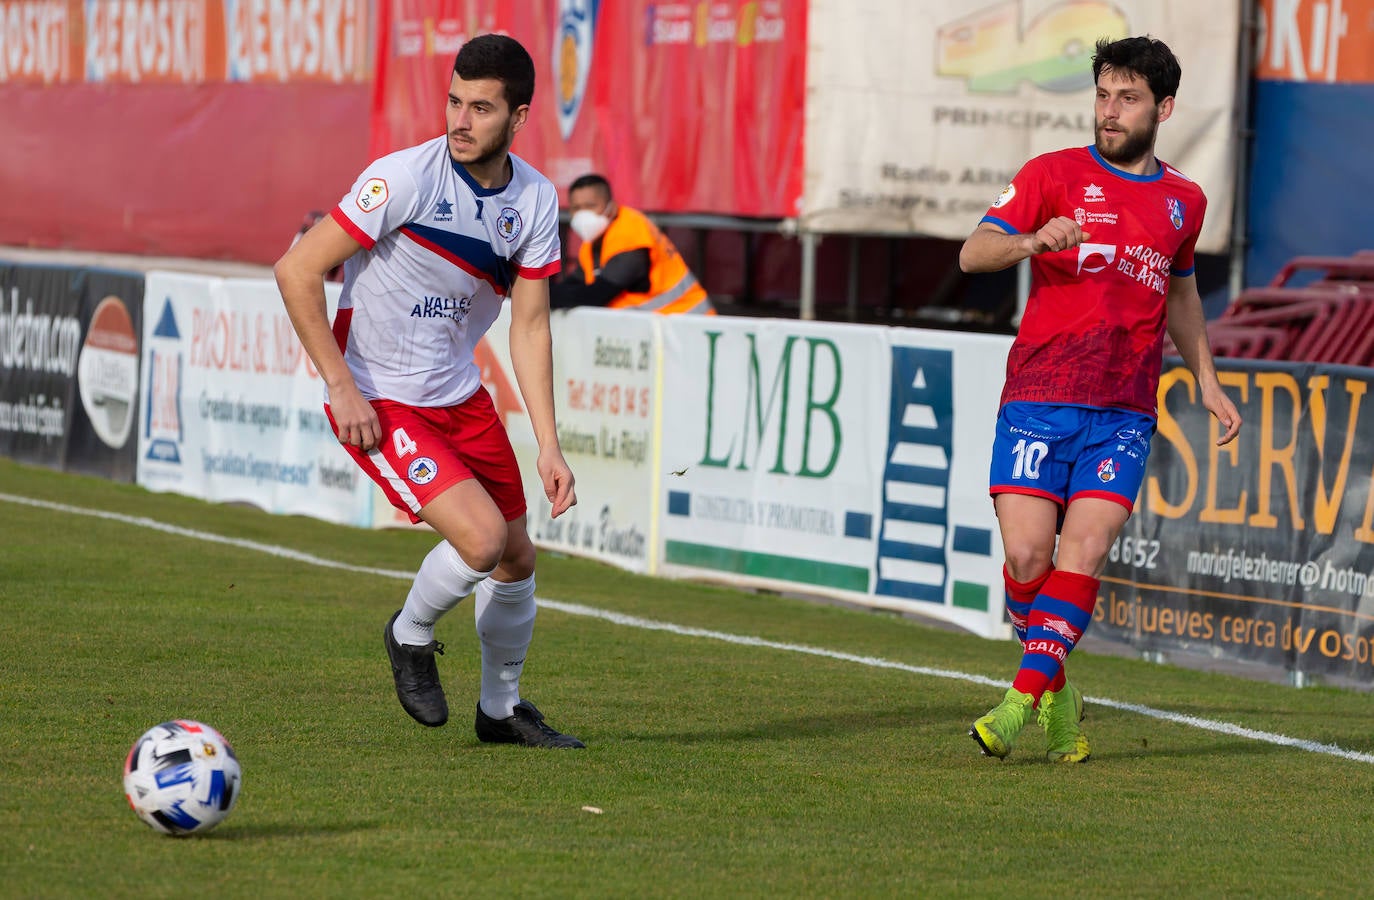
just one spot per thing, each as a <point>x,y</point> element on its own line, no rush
<point>182,777</point>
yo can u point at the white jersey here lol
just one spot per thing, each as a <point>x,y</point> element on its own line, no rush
<point>440,255</point>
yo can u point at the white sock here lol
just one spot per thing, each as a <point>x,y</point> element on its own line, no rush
<point>440,585</point>
<point>505,625</point>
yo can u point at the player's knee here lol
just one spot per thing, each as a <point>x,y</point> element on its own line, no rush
<point>1027,561</point>
<point>519,557</point>
<point>1086,555</point>
<point>484,552</point>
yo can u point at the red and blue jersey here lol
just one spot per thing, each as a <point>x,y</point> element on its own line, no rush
<point>1093,330</point>
<point>440,253</point>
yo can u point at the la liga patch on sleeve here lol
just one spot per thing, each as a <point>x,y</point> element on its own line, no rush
<point>373,195</point>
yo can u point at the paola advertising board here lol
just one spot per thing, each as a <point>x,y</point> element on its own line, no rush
<point>232,406</point>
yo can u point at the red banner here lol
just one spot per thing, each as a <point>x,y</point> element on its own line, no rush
<point>685,107</point>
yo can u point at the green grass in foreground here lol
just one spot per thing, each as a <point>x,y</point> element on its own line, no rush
<point>722,770</point>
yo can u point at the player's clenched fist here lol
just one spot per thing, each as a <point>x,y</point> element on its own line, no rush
<point>1059,233</point>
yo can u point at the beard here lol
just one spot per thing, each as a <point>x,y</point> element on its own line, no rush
<point>479,154</point>
<point>1131,146</point>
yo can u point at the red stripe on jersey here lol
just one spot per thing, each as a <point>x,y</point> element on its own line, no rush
<point>457,260</point>
<point>343,320</point>
<point>546,271</point>
<point>353,230</point>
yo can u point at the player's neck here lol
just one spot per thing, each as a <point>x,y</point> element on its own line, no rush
<point>491,173</point>
<point>1146,165</point>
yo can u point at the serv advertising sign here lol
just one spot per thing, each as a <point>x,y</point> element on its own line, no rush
<point>953,97</point>
<point>1261,550</point>
<point>233,408</point>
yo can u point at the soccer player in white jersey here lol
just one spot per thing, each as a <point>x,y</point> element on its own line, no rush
<point>433,238</point>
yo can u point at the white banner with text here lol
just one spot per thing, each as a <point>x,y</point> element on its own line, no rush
<point>232,408</point>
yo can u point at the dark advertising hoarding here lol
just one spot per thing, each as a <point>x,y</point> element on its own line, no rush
<point>1263,549</point>
<point>69,351</point>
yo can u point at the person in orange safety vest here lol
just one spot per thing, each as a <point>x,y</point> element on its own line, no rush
<point>625,261</point>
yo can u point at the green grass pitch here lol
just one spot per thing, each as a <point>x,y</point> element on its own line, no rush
<point>721,769</point>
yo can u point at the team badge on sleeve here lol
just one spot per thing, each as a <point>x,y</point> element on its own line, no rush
<point>373,195</point>
<point>1005,197</point>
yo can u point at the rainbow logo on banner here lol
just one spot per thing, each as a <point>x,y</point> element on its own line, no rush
<point>994,53</point>
<point>572,58</point>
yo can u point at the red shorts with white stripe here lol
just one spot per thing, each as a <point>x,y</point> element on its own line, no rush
<point>426,450</point>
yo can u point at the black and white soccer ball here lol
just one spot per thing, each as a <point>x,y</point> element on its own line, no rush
<point>182,777</point>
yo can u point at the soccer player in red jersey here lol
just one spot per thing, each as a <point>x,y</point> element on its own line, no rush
<point>433,239</point>
<point>1109,230</point>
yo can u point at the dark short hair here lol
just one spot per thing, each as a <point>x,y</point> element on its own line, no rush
<point>500,57</point>
<point>591,180</point>
<point>1147,57</point>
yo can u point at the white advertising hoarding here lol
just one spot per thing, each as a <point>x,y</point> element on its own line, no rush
<point>604,367</point>
<point>847,461</point>
<point>232,407</point>
<point>771,431</point>
<point>918,113</point>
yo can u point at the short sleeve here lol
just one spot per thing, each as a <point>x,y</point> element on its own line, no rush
<point>384,198</point>
<point>1020,208</point>
<point>540,254</point>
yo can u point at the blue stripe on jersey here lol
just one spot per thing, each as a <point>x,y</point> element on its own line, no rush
<point>1000,223</point>
<point>1184,273</point>
<point>1129,176</point>
<point>468,253</point>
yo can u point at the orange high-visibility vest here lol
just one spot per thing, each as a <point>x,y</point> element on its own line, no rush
<point>672,286</point>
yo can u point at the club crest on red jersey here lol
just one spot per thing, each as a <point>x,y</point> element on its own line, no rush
<point>1176,211</point>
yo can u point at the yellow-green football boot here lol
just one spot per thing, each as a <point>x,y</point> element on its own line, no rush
<point>998,730</point>
<point>1060,713</point>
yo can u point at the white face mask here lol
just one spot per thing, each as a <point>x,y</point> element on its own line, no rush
<point>589,225</point>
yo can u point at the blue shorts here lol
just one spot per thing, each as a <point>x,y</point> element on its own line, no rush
<point>1064,453</point>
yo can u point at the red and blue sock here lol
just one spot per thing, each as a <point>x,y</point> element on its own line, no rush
<point>1020,597</point>
<point>1059,615</point>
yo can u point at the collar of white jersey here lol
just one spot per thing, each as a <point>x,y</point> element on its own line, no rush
<point>477,189</point>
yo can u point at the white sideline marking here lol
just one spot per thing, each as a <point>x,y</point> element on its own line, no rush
<point>615,618</point>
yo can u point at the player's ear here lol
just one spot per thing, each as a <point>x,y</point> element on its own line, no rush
<point>1166,108</point>
<point>518,117</point>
